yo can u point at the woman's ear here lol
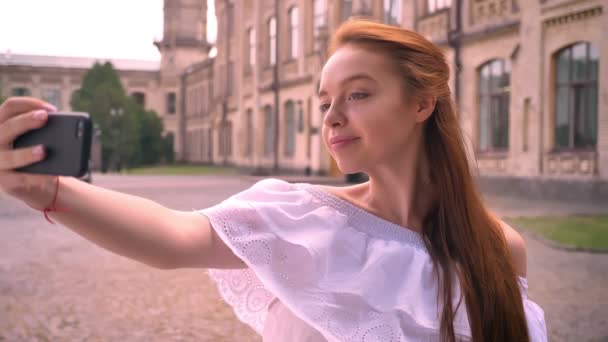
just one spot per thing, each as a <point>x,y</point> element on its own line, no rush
<point>426,106</point>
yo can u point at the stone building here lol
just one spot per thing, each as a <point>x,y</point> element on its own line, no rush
<point>54,79</point>
<point>533,99</point>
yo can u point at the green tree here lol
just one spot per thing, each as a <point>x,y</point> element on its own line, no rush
<point>130,135</point>
<point>151,143</point>
<point>168,142</point>
<point>103,97</point>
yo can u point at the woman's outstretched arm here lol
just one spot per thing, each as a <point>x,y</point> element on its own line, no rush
<point>124,224</point>
<point>141,229</point>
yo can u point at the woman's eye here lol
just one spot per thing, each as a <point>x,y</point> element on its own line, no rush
<point>357,96</point>
<point>324,107</point>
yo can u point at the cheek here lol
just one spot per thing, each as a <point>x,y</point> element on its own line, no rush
<point>325,138</point>
<point>324,134</point>
<point>391,127</point>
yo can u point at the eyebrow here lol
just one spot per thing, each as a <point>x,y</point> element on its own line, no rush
<point>355,77</point>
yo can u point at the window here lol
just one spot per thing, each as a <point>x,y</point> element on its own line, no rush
<point>346,9</point>
<point>576,97</point>
<point>171,103</point>
<point>21,92</point>
<point>272,41</point>
<point>52,96</point>
<point>392,12</point>
<point>251,35</point>
<point>140,98</point>
<point>293,32</point>
<point>249,122</point>
<point>290,128</point>
<point>494,105</point>
<point>436,5</point>
<point>300,118</point>
<point>268,131</point>
<point>319,21</point>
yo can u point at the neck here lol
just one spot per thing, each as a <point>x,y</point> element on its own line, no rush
<point>400,190</point>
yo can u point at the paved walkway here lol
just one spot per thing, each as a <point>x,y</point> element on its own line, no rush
<point>55,286</point>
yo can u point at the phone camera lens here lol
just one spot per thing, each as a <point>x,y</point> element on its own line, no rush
<point>80,130</point>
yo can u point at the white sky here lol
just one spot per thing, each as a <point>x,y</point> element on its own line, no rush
<point>86,28</point>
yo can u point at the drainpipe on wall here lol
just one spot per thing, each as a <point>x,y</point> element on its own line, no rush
<point>224,122</point>
<point>275,88</point>
<point>455,41</point>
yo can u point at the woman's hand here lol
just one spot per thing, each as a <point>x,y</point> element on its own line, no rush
<point>17,116</point>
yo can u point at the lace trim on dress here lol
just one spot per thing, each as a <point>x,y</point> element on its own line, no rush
<point>241,288</point>
<point>365,221</point>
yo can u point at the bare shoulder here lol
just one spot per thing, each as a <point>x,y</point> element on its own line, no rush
<point>517,247</point>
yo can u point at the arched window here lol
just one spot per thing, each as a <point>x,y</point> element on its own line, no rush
<point>272,41</point>
<point>576,98</point>
<point>249,123</point>
<point>293,32</point>
<point>494,105</point>
<point>290,128</point>
<point>268,131</point>
<point>171,103</point>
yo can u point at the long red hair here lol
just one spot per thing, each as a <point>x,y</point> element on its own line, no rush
<point>459,232</point>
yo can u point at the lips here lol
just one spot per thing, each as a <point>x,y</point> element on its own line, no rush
<point>339,141</point>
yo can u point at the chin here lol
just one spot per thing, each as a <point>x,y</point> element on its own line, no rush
<point>349,167</point>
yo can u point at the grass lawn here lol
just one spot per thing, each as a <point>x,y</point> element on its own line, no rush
<point>590,232</point>
<point>182,170</point>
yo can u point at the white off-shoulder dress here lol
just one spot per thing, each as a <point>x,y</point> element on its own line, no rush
<point>322,269</point>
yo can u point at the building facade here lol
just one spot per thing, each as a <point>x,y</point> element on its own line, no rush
<point>526,75</point>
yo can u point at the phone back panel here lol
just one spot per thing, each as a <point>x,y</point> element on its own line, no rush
<point>67,142</point>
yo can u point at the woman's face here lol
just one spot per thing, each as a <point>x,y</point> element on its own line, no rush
<point>362,97</point>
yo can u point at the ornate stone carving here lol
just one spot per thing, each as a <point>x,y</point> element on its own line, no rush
<point>571,163</point>
<point>435,27</point>
<point>572,17</point>
<point>487,11</point>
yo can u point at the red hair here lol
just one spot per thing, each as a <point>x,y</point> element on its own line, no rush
<point>459,232</point>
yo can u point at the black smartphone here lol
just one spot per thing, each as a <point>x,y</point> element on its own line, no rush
<point>66,137</point>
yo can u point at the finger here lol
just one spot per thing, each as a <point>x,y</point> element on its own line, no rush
<point>15,126</point>
<point>13,159</point>
<point>18,105</point>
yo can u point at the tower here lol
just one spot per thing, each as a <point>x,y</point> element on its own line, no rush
<point>184,43</point>
<point>184,39</point>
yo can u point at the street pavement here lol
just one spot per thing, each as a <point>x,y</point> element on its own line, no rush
<point>56,286</point>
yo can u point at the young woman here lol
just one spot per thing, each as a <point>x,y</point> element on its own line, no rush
<point>411,255</point>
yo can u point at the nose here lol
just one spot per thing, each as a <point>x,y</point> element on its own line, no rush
<point>334,116</point>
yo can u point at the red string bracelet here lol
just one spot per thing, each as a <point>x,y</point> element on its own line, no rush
<point>52,207</point>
